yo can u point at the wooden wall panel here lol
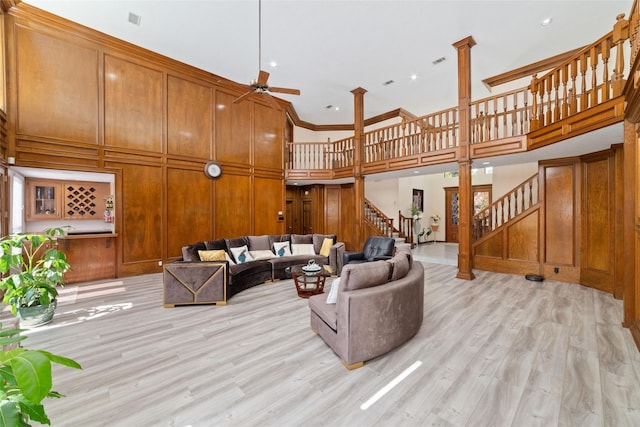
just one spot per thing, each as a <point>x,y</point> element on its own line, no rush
<point>560,232</point>
<point>189,212</point>
<point>268,197</point>
<point>492,247</point>
<point>233,129</point>
<point>141,212</point>
<point>332,210</point>
<point>189,127</point>
<point>522,239</point>
<point>232,208</point>
<point>347,218</point>
<point>86,101</point>
<point>57,91</point>
<point>267,137</point>
<point>133,105</point>
<point>598,213</point>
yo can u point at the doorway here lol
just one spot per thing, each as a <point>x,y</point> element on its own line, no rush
<point>481,199</point>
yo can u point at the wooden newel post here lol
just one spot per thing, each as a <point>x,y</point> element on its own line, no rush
<point>465,202</point>
<point>620,34</point>
<point>358,187</point>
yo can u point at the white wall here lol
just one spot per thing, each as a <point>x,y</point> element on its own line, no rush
<point>507,177</point>
<point>391,195</point>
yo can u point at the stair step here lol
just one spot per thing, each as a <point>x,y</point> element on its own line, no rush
<point>395,235</point>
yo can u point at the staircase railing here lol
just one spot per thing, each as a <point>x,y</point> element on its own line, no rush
<point>506,208</point>
<point>424,134</point>
<point>379,220</point>
<point>405,228</point>
<point>320,155</point>
<point>581,82</point>
<point>501,116</point>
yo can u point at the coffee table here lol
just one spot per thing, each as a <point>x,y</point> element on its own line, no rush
<point>309,283</point>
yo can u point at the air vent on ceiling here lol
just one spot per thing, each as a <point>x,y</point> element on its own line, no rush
<point>439,60</point>
<point>134,19</point>
<point>387,83</point>
<point>328,107</point>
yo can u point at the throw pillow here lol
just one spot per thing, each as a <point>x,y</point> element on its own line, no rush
<point>217,255</point>
<point>332,297</point>
<point>303,249</point>
<point>281,248</point>
<point>241,254</point>
<point>325,250</point>
<point>261,254</point>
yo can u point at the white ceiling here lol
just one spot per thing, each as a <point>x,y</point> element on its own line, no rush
<point>328,48</point>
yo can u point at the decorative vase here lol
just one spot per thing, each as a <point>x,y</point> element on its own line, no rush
<point>36,315</point>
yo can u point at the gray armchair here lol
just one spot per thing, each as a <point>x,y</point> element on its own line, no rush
<point>376,248</point>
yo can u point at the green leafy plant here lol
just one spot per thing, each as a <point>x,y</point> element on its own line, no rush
<point>32,271</point>
<point>25,380</point>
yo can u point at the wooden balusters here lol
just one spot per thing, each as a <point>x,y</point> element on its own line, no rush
<point>506,208</point>
<point>501,116</point>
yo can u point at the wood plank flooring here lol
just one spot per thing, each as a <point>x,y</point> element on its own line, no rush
<point>495,351</point>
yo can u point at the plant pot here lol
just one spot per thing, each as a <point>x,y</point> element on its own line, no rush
<point>36,315</point>
<point>435,227</point>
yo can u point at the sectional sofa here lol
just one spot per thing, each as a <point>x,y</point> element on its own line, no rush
<point>378,307</point>
<point>213,271</point>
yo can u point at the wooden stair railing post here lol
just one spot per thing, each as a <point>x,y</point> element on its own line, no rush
<point>620,34</point>
<point>464,159</point>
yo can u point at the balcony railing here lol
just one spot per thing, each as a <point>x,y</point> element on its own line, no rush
<point>592,76</point>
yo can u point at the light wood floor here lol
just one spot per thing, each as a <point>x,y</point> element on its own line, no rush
<point>496,351</point>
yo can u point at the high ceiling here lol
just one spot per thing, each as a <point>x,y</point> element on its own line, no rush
<point>328,48</point>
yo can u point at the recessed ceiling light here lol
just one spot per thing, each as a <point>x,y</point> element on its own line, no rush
<point>414,76</point>
<point>486,163</point>
<point>337,108</point>
<point>546,21</point>
<point>416,172</point>
<point>273,64</point>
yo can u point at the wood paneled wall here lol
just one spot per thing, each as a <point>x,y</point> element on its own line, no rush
<point>81,100</point>
<point>576,228</point>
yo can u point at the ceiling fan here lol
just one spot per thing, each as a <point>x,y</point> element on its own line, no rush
<point>260,86</point>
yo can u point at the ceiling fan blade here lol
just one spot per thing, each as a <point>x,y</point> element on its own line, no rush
<point>285,90</point>
<point>241,97</point>
<point>262,78</point>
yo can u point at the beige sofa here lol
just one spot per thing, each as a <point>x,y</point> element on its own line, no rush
<point>379,307</point>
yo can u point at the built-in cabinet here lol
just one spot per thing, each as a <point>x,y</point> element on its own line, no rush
<point>48,199</point>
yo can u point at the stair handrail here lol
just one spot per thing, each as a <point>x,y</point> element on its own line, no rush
<point>565,90</point>
<point>405,228</point>
<point>378,219</point>
<point>508,207</point>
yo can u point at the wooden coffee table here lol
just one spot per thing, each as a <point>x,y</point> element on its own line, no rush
<point>309,283</point>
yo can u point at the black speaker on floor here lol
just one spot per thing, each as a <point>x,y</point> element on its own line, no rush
<point>534,277</point>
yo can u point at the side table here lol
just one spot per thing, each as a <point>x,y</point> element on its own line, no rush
<point>309,283</point>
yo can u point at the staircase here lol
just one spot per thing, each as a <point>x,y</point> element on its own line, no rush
<point>506,210</point>
<point>381,225</point>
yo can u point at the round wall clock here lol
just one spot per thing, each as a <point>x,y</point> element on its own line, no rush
<point>212,169</point>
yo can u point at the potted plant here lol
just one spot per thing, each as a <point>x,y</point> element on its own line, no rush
<point>435,221</point>
<point>25,380</point>
<point>33,268</point>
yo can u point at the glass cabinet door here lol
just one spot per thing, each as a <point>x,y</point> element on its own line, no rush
<point>43,200</point>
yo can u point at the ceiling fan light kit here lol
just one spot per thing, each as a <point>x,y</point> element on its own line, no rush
<point>260,86</point>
